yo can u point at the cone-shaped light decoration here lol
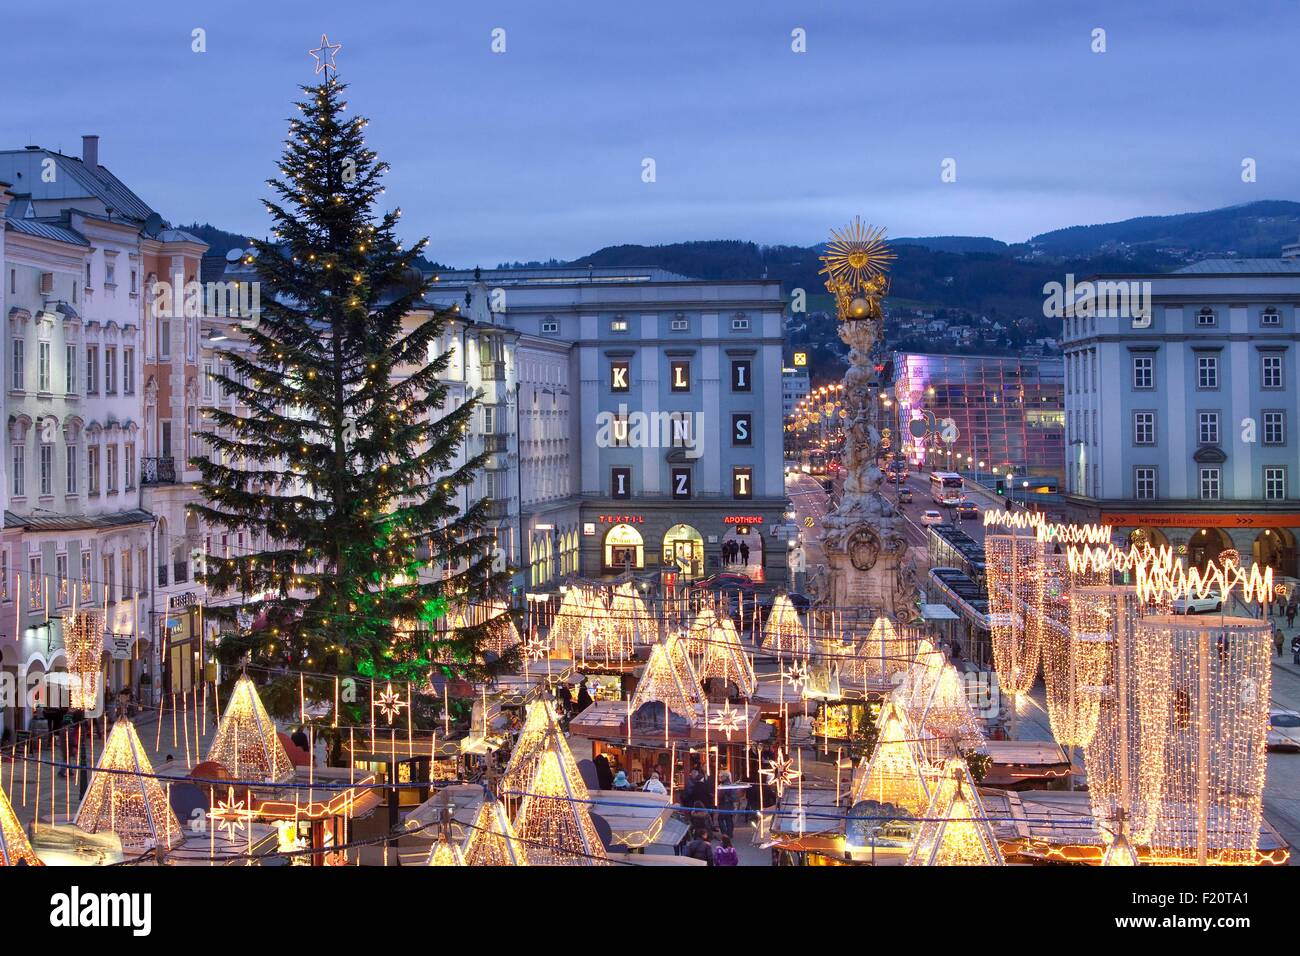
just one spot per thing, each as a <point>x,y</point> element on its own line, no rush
<point>247,743</point>
<point>125,798</point>
<point>445,853</point>
<point>784,632</point>
<point>15,850</point>
<point>725,657</point>
<point>539,731</point>
<point>955,831</point>
<point>670,678</point>
<point>553,823</point>
<point>897,771</point>
<point>492,840</point>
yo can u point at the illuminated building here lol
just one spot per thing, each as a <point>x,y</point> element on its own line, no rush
<point>1009,412</point>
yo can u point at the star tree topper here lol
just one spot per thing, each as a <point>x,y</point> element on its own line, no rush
<point>325,54</point>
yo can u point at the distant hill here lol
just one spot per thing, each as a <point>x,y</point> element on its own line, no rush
<point>976,274</point>
<point>1252,229</point>
<point>219,241</point>
<point>956,244</point>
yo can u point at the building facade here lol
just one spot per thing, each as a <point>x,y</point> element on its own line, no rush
<point>1005,412</point>
<point>648,418</point>
<point>1179,416</point>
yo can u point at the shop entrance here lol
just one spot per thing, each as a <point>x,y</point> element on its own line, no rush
<point>742,551</point>
<point>684,550</point>
<point>624,549</point>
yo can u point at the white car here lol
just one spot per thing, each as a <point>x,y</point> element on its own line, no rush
<point>930,516</point>
<point>1283,730</point>
<point>1199,605</point>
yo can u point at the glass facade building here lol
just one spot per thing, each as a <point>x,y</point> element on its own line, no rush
<point>1008,412</point>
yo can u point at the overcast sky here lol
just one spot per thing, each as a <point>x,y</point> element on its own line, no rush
<point>537,152</point>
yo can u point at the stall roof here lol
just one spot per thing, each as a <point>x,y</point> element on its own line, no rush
<point>1057,826</point>
<point>938,612</point>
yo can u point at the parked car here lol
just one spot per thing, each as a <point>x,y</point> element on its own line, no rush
<point>930,516</point>
<point>967,509</point>
<point>905,496</point>
<point>724,581</point>
<point>1283,730</point>
<point>1199,605</point>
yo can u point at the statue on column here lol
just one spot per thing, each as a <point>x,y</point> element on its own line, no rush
<point>861,537</point>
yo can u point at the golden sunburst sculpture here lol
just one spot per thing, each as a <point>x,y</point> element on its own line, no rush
<point>855,263</point>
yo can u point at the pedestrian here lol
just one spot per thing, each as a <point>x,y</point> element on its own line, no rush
<point>604,772</point>
<point>744,553</point>
<point>565,696</point>
<point>724,854</point>
<point>700,848</point>
<point>726,805</point>
<point>621,782</point>
<point>1290,614</point>
<point>655,785</point>
<point>584,697</point>
<point>700,818</point>
<point>1295,649</point>
<point>1277,639</point>
<point>690,791</point>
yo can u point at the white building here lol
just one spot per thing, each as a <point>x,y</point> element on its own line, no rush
<point>1180,424</point>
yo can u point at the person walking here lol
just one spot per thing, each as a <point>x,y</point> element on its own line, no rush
<point>724,854</point>
<point>744,553</point>
<point>700,848</point>
<point>726,805</point>
<point>1295,649</point>
<point>1290,614</point>
<point>1277,639</point>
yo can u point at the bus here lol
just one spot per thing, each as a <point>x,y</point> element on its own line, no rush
<point>946,488</point>
<point>817,463</point>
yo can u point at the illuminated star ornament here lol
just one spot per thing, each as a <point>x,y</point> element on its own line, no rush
<point>780,772</point>
<point>536,648</point>
<point>325,55</point>
<point>796,675</point>
<point>726,720</point>
<point>231,814</point>
<point>390,703</point>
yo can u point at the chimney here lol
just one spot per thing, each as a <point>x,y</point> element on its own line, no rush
<point>90,151</point>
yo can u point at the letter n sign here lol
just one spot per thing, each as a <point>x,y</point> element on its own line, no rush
<point>619,380</point>
<point>740,376</point>
<point>742,429</point>
<point>681,483</point>
<point>620,483</point>
<point>681,380</point>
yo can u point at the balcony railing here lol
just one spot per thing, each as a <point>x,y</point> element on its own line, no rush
<point>494,443</point>
<point>498,509</point>
<point>180,572</point>
<point>493,371</point>
<point>157,471</point>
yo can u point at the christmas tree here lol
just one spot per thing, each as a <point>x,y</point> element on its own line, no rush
<point>346,462</point>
